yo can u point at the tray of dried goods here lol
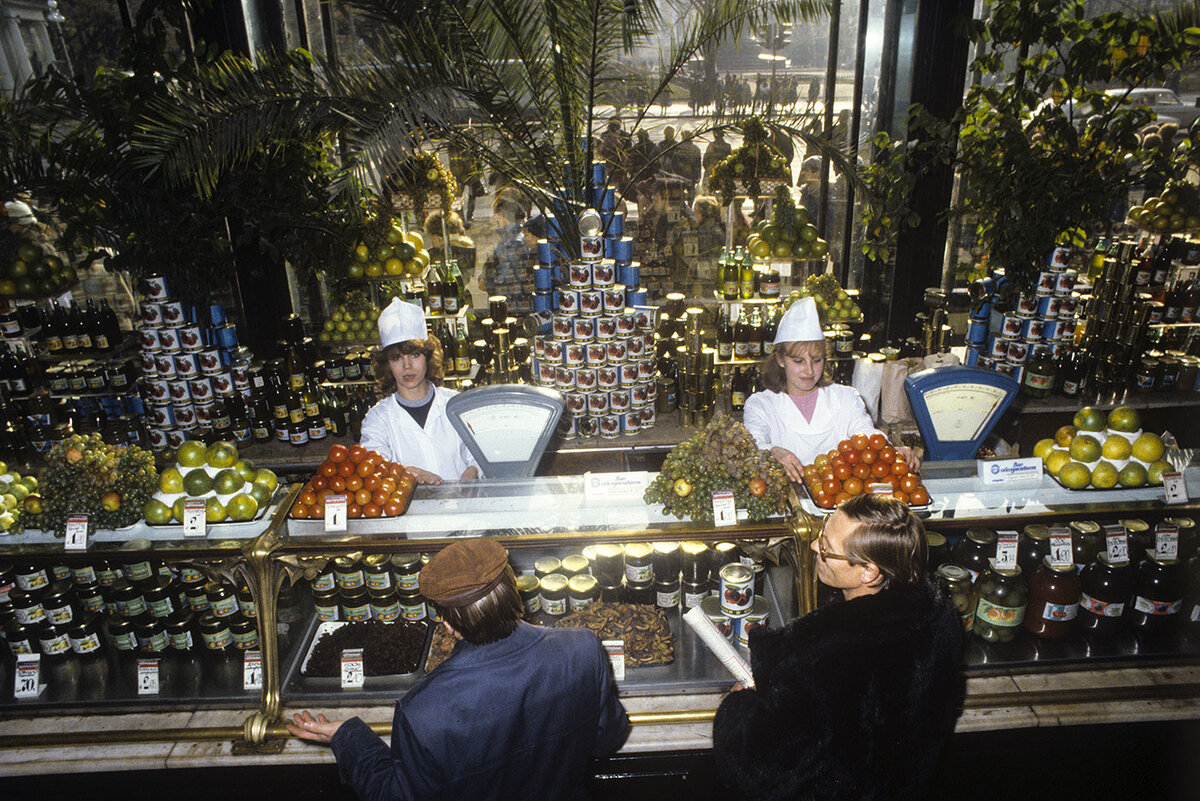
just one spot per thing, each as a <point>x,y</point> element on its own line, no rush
<point>643,628</point>
<point>392,654</point>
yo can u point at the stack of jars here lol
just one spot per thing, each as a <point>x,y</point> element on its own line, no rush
<point>375,587</point>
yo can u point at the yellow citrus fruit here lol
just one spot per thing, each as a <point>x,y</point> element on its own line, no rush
<point>393,266</point>
<point>1085,448</point>
<point>1148,447</point>
<point>1064,435</point>
<point>1043,447</point>
<point>1132,475</point>
<point>415,239</point>
<point>1089,418</point>
<point>374,269</point>
<point>1124,418</point>
<point>214,511</point>
<point>1074,475</point>
<point>1104,476</point>
<point>1116,448</point>
<point>192,453</point>
<point>1056,460</point>
<point>171,481</point>
<point>1154,472</point>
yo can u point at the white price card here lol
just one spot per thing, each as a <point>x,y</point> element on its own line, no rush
<point>252,671</point>
<point>147,677</point>
<point>1116,539</point>
<point>1006,550</point>
<point>27,678</point>
<point>1062,553</point>
<point>881,489</point>
<point>1166,542</point>
<point>724,508</point>
<point>195,517</point>
<point>616,655</point>
<point>77,532</point>
<point>1175,488</point>
<point>335,513</point>
<point>352,669</point>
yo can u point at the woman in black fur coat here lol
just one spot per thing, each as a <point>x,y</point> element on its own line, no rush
<point>855,700</point>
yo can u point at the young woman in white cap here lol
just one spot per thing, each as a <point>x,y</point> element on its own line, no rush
<point>802,413</point>
<point>410,425</point>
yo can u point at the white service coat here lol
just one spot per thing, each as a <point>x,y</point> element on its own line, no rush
<point>774,421</point>
<point>391,431</point>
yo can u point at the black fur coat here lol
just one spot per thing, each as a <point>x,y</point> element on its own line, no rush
<point>853,701</point>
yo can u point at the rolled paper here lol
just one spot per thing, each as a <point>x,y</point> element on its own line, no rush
<point>720,647</point>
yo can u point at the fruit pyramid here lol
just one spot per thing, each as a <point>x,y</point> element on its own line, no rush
<point>1099,451</point>
<point>233,489</point>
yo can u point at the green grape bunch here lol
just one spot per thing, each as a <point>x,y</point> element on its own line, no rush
<point>84,474</point>
<point>723,456</point>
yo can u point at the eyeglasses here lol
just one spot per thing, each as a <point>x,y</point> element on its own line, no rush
<point>827,555</point>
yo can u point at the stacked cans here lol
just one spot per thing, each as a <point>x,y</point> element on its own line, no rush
<point>736,607</point>
<point>185,364</point>
<point>1003,341</point>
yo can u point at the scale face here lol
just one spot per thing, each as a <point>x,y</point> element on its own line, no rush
<point>506,426</point>
<point>957,407</point>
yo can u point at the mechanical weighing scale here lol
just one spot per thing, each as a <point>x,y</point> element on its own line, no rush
<point>957,407</point>
<point>506,427</point>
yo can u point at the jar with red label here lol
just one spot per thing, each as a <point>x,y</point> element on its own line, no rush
<point>1105,589</point>
<point>1053,600</point>
<point>1157,595</point>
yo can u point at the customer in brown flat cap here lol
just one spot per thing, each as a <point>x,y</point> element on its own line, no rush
<point>516,711</point>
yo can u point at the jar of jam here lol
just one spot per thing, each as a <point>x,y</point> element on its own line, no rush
<point>722,554</point>
<point>214,631</point>
<point>692,593</point>
<point>160,599</point>
<point>151,634</point>
<point>573,565</point>
<point>545,565</point>
<point>640,593</point>
<point>612,593</point>
<point>348,573</point>
<point>197,599</point>
<point>1140,538</point>
<point>356,605</point>
<point>222,600</point>
<point>120,632</point>
<point>609,565</point>
<point>179,631</point>
<point>107,573</point>
<point>939,549</point>
<point>83,574</point>
<point>412,606</point>
<point>128,599</point>
<point>59,604</point>
<point>31,577</point>
<point>385,605</point>
<point>1001,606</point>
<point>1034,547</point>
<point>324,580</point>
<point>667,594</point>
<point>1087,540</point>
<point>244,633</point>
<point>582,589</point>
<point>52,640</point>
<point>1189,535</point>
<point>325,605</point>
<point>27,607</point>
<point>639,565</point>
<point>406,567</point>
<point>1053,600</point>
<point>377,571</point>
<point>246,602</point>
<point>59,573</point>
<point>8,580</point>
<point>553,591</point>
<point>974,550</point>
<point>1158,588</point>
<point>84,637</point>
<point>138,570</point>
<point>666,561</point>
<point>1105,589</point>
<point>955,582</point>
<point>694,561</point>
<point>528,589</point>
<point>90,599</point>
<point>19,637</point>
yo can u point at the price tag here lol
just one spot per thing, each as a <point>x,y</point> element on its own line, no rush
<point>27,678</point>
<point>147,676</point>
<point>1175,488</point>
<point>1006,550</point>
<point>1116,538</point>
<point>77,532</point>
<point>335,514</point>
<point>724,508</point>
<point>352,668</point>
<point>881,489</point>
<point>1062,553</point>
<point>252,671</point>
<point>616,655</point>
<point>1166,542</point>
<point>195,517</point>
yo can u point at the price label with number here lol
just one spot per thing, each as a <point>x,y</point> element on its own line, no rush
<point>724,508</point>
<point>147,677</point>
<point>616,655</point>
<point>1175,488</point>
<point>352,669</point>
<point>1166,542</point>
<point>335,513</point>
<point>1062,553</point>
<point>195,517</point>
<point>27,678</point>
<point>252,671</point>
<point>1116,539</point>
<point>76,532</point>
<point>1006,550</point>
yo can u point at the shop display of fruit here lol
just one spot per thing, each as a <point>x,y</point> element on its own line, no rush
<point>1100,451</point>
<point>787,234</point>
<point>723,456</point>
<point>232,488</point>
<point>748,165</point>
<point>14,489</point>
<point>355,320</point>
<point>1176,209</point>
<point>84,474</point>
<point>373,486</point>
<point>423,182</point>
<point>30,270</point>
<point>388,251</point>
<point>856,467</point>
<point>833,302</point>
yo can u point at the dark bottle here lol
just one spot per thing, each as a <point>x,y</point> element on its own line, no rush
<point>295,368</point>
<point>770,327</point>
<point>277,396</point>
<point>729,278</point>
<point>261,419</point>
<point>52,330</point>
<point>240,427</point>
<point>70,340</point>
<point>737,390</point>
<point>31,319</point>
<point>80,323</point>
<point>1070,373</point>
<point>1191,605</point>
<point>1053,600</point>
<point>454,290</point>
<point>93,325</point>
<point>1191,300</point>
<point>974,550</point>
<point>462,352</point>
<point>724,335</point>
<point>754,340</point>
<point>108,334</point>
<point>337,410</point>
<point>1157,595</point>
<point>433,288</point>
<point>741,336</point>
<point>295,407</point>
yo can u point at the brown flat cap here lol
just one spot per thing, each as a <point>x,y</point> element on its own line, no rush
<point>463,572</point>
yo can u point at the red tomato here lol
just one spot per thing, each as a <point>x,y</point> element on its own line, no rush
<point>362,497</point>
<point>353,510</point>
<point>393,508</point>
<point>307,498</point>
<point>887,454</point>
<point>338,453</point>
<point>823,500</point>
<point>379,497</point>
<point>878,442</point>
<point>318,482</point>
<point>328,469</point>
<point>842,472</point>
<point>900,467</point>
<point>318,511</point>
<point>881,469</point>
<point>299,511</point>
<point>828,475</point>
<point>868,456</point>
<point>845,446</point>
<point>841,498</point>
<point>370,482</point>
<point>900,495</point>
<point>860,442</point>
<point>909,482</point>
<point>356,453</point>
<point>852,458</point>
<point>862,470</point>
<point>919,496</point>
<point>831,487</point>
<point>406,481</point>
<point>337,484</point>
<point>821,462</point>
<point>372,510</point>
<point>810,471</point>
<point>346,469</point>
<point>365,469</point>
<point>353,484</point>
<point>853,485</point>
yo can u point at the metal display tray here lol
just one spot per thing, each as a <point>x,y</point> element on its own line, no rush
<point>392,685</point>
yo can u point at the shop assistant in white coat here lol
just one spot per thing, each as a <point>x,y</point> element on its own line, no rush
<point>409,425</point>
<point>802,413</point>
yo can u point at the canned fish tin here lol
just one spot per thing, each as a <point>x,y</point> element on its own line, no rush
<point>648,417</point>
<point>156,438</point>
<point>631,422</point>
<point>191,338</point>
<point>645,370</point>
<point>606,328</point>
<point>608,377</point>
<point>185,416</point>
<point>589,425</point>
<point>155,287</point>
<point>610,426</point>
<point>579,275</point>
<point>574,353</point>
<point>1011,328</point>
<point>737,589</point>
<point>591,302</point>
<point>604,274</point>
<point>176,437</point>
<point>576,403</point>
<point>562,326</point>
<point>178,391</point>
<point>1066,306</point>
<point>976,333</point>
<point>564,378</point>
<point>585,378</point>
<point>543,278</point>
<point>713,610</point>
<point>160,416</point>
<point>621,249</point>
<point>205,412</point>
<point>151,313</point>
<point>568,301</point>
<point>596,354</point>
<point>758,616</point>
<point>1050,330</point>
<point>584,329</point>
<point>209,361</point>
<point>1066,330</point>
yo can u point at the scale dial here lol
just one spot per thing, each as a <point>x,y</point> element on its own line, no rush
<point>506,432</point>
<point>960,412</point>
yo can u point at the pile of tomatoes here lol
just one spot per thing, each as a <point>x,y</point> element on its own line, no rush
<point>373,486</point>
<point>856,465</point>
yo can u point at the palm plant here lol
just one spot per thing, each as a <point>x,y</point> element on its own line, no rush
<point>516,84</point>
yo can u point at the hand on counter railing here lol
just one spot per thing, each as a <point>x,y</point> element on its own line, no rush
<point>791,465</point>
<point>470,474</point>
<point>317,730</point>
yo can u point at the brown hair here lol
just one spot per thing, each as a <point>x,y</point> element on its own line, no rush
<point>454,223</point>
<point>492,617</point>
<point>431,347</point>
<point>889,536</point>
<point>774,377</point>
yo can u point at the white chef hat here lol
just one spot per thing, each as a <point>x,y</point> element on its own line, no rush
<point>400,322</point>
<point>800,323</point>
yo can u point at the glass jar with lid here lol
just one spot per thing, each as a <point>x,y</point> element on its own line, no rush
<point>377,571</point>
<point>1189,535</point>
<point>939,549</point>
<point>1105,590</point>
<point>1003,597</point>
<point>1141,537</point>
<point>1034,547</point>
<point>639,565</point>
<point>582,590</point>
<point>528,589</point>
<point>554,594</point>
<point>1158,589</point>
<point>955,582</point>
<point>545,565</point>
<point>573,565</point>
<point>1087,540</point>
<point>1053,600</point>
<point>974,551</point>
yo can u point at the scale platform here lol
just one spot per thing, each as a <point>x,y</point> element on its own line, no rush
<point>956,408</point>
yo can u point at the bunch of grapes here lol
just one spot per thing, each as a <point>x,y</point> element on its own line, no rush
<point>83,474</point>
<point>723,456</point>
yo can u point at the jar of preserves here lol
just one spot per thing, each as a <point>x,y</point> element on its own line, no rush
<point>573,565</point>
<point>244,633</point>
<point>528,589</point>
<point>84,637</point>
<point>356,605</point>
<point>1105,589</point>
<point>325,605</point>
<point>120,632</point>
<point>27,608</point>
<point>160,600</point>
<point>385,604</point>
<point>31,577</point>
<point>609,566</point>
<point>722,554</point>
<point>1053,600</point>
<point>939,549</point>
<point>1140,538</point>
<point>179,631</point>
<point>640,593</point>
<point>1087,540</point>
<point>1189,535</point>
<point>412,606</point>
<point>955,582</point>
<point>222,600</point>
<point>197,599</point>
<point>19,637</point>
<point>128,599</point>
<point>1034,547</point>
<point>324,581</point>
<point>545,565</point>
<point>246,601</point>
<point>406,568</point>
<point>83,574</point>
<point>91,600</point>
<point>59,604</point>
<point>377,571</point>
<point>138,570</point>
<point>151,634</point>
<point>974,550</point>
<point>1000,610</point>
<point>52,640</point>
<point>107,573</point>
<point>666,561</point>
<point>348,573</point>
<point>553,591</point>
<point>1158,588</point>
<point>8,580</point>
<point>667,594</point>
<point>694,562</point>
<point>639,563</point>
<point>214,631</point>
<point>582,590</point>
